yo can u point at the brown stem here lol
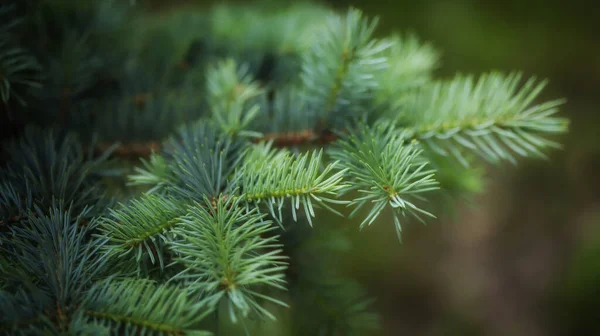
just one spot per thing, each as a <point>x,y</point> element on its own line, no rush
<point>280,139</point>
<point>130,150</point>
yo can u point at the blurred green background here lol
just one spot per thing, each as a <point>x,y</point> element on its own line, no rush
<point>522,257</point>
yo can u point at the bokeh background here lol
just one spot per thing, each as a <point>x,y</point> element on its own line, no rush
<point>523,256</point>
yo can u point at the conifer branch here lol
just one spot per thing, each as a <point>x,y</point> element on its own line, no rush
<point>160,309</point>
<point>14,203</point>
<point>219,108</point>
<point>52,248</point>
<point>273,180</point>
<point>138,231</point>
<point>338,73</point>
<point>385,171</point>
<point>19,68</point>
<point>225,255</point>
<point>493,117</point>
<point>48,164</point>
<point>154,173</point>
<point>231,90</point>
<point>18,72</point>
<point>411,63</point>
<point>201,159</point>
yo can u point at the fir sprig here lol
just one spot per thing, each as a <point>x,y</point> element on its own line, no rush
<point>154,173</point>
<point>201,159</point>
<point>339,71</point>
<point>494,116</point>
<point>231,89</point>
<point>19,71</point>
<point>273,179</point>
<point>385,170</point>
<point>138,306</point>
<point>411,65</point>
<point>247,110</point>
<point>53,248</point>
<point>14,203</point>
<point>138,231</point>
<point>228,253</point>
<point>47,164</point>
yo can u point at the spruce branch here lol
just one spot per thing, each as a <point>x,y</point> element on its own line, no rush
<point>339,71</point>
<point>493,116</point>
<point>138,306</point>
<point>273,179</point>
<point>411,63</point>
<point>154,173</point>
<point>138,231</point>
<point>201,159</point>
<point>211,102</point>
<point>231,90</point>
<point>226,255</point>
<point>14,205</point>
<point>54,249</point>
<point>19,72</point>
<point>46,164</point>
<point>385,170</point>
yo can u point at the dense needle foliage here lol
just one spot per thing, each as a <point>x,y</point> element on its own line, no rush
<point>169,171</point>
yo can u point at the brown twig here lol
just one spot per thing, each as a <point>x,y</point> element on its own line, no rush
<point>280,139</point>
<point>298,138</point>
<point>130,150</point>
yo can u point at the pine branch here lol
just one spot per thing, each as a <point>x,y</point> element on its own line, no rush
<point>47,164</point>
<point>13,204</point>
<point>225,255</point>
<point>155,173</point>
<point>411,65</point>
<point>159,309</point>
<point>272,180</point>
<point>338,72</point>
<point>219,108</point>
<point>138,231</point>
<point>231,90</point>
<point>201,159</point>
<point>493,117</point>
<point>19,71</point>
<point>54,249</point>
<point>385,170</point>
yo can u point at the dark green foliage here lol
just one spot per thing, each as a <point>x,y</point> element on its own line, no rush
<point>385,170</point>
<point>226,254</point>
<point>137,231</point>
<point>244,132</point>
<point>49,164</point>
<point>159,309</point>
<point>339,71</point>
<point>19,69</point>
